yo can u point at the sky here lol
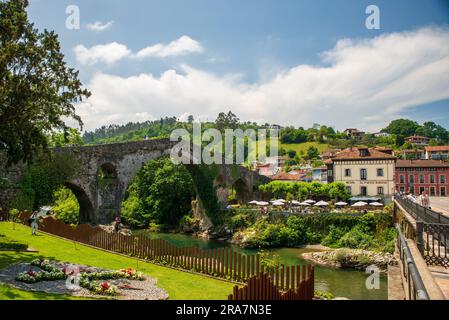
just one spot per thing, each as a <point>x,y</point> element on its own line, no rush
<point>287,62</point>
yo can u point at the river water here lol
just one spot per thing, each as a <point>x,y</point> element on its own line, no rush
<point>340,282</point>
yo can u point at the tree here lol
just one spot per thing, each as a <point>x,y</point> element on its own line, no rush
<point>160,192</point>
<point>226,121</point>
<point>190,119</point>
<point>291,154</point>
<point>433,130</point>
<point>66,207</point>
<point>38,90</point>
<point>402,127</point>
<point>313,153</point>
<point>71,137</point>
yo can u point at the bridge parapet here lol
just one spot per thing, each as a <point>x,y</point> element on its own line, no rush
<point>420,244</point>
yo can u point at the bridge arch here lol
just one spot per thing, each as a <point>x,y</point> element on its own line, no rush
<point>107,170</point>
<point>242,191</point>
<point>87,212</point>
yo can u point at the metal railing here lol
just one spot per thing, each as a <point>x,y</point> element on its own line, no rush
<point>433,240</point>
<point>420,213</point>
<point>415,286</point>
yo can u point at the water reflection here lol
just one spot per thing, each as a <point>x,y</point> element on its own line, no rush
<point>340,282</point>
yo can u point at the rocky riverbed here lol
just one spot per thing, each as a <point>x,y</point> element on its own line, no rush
<point>351,258</point>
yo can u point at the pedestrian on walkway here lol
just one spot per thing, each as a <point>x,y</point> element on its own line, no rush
<point>34,219</point>
<point>424,200</point>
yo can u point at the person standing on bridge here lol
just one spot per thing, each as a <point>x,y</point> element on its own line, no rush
<point>424,200</point>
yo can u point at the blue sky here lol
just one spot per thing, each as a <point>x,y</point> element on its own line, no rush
<point>262,59</point>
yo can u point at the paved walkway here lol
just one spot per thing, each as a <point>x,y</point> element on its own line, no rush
<point>440,204</point>
<point>441,277</point>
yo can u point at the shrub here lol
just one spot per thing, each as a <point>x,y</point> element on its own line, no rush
<point>239,221</point>
<point>66,207</point>
<point>341,255</point>
<point>356,238</point>
<point>334,235</point>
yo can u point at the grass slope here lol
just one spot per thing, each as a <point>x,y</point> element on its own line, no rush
<point>298,147</point>
<point>179,285</point>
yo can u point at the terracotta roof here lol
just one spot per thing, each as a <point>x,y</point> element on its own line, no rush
<point>354,154</point>
<point>437,148</point>
<point>420,137</point>
<point>383,149</point>
<point>407,151</point>
<point>421,164</point>
<point>286,176</point>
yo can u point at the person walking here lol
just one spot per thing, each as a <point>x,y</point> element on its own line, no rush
<point>34,223</point>
<point>117,223</point>
<point>424,200</point>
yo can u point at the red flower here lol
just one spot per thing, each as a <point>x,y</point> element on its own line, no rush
<point>105,286</point>
<point>31,273</point>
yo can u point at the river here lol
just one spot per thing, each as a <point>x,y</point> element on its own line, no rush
<point>340,282</point>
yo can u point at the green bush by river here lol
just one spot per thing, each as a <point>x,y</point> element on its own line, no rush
<point>371,231</point>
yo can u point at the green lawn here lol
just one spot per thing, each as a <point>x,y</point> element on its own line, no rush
<point>298,147</point>
<point>179,285</point>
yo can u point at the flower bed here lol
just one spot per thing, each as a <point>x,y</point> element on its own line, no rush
<point>87,280</point>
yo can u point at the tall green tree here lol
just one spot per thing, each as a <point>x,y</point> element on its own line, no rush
<point>72,137</point>
<point>38,90</point>
<point>402,127</point>
<point>433,130</point>
<point>161,192</point>
<point>226,121</point>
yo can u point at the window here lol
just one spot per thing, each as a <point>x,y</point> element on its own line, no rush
<point>412,178</point>
<point>442,179</point>
<point>363,174</point>
<point>432,178</point>
<point>349,189</point>
<point>401,189</point>
<point>412,190</point>
<point>401,179</point>
<point>380,190</point>
<point>347,172</point>
<point>363,191</point>
<point>380,172</point>
<point>443,191</point>
<point>421,190</point>
<point>432,191</point>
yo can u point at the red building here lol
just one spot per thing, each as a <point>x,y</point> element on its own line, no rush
<point>416,176</point>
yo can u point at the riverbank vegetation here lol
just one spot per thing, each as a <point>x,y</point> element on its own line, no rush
<point>304,190</point>
<point>371,231</point>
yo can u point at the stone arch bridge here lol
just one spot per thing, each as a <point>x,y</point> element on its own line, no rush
<point>105,171</point>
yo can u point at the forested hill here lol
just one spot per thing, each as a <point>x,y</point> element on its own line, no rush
<point>132,131</point>
<point>397,131</point>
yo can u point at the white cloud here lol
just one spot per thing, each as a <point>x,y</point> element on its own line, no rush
<point>99,26</point>
<point>364,84</point>
<point>179,47</point>
<point>113,52</point>
<point>107,53</point>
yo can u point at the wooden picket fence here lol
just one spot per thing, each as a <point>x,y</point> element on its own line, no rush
<point>265,287</point>
<point>222,263</point>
